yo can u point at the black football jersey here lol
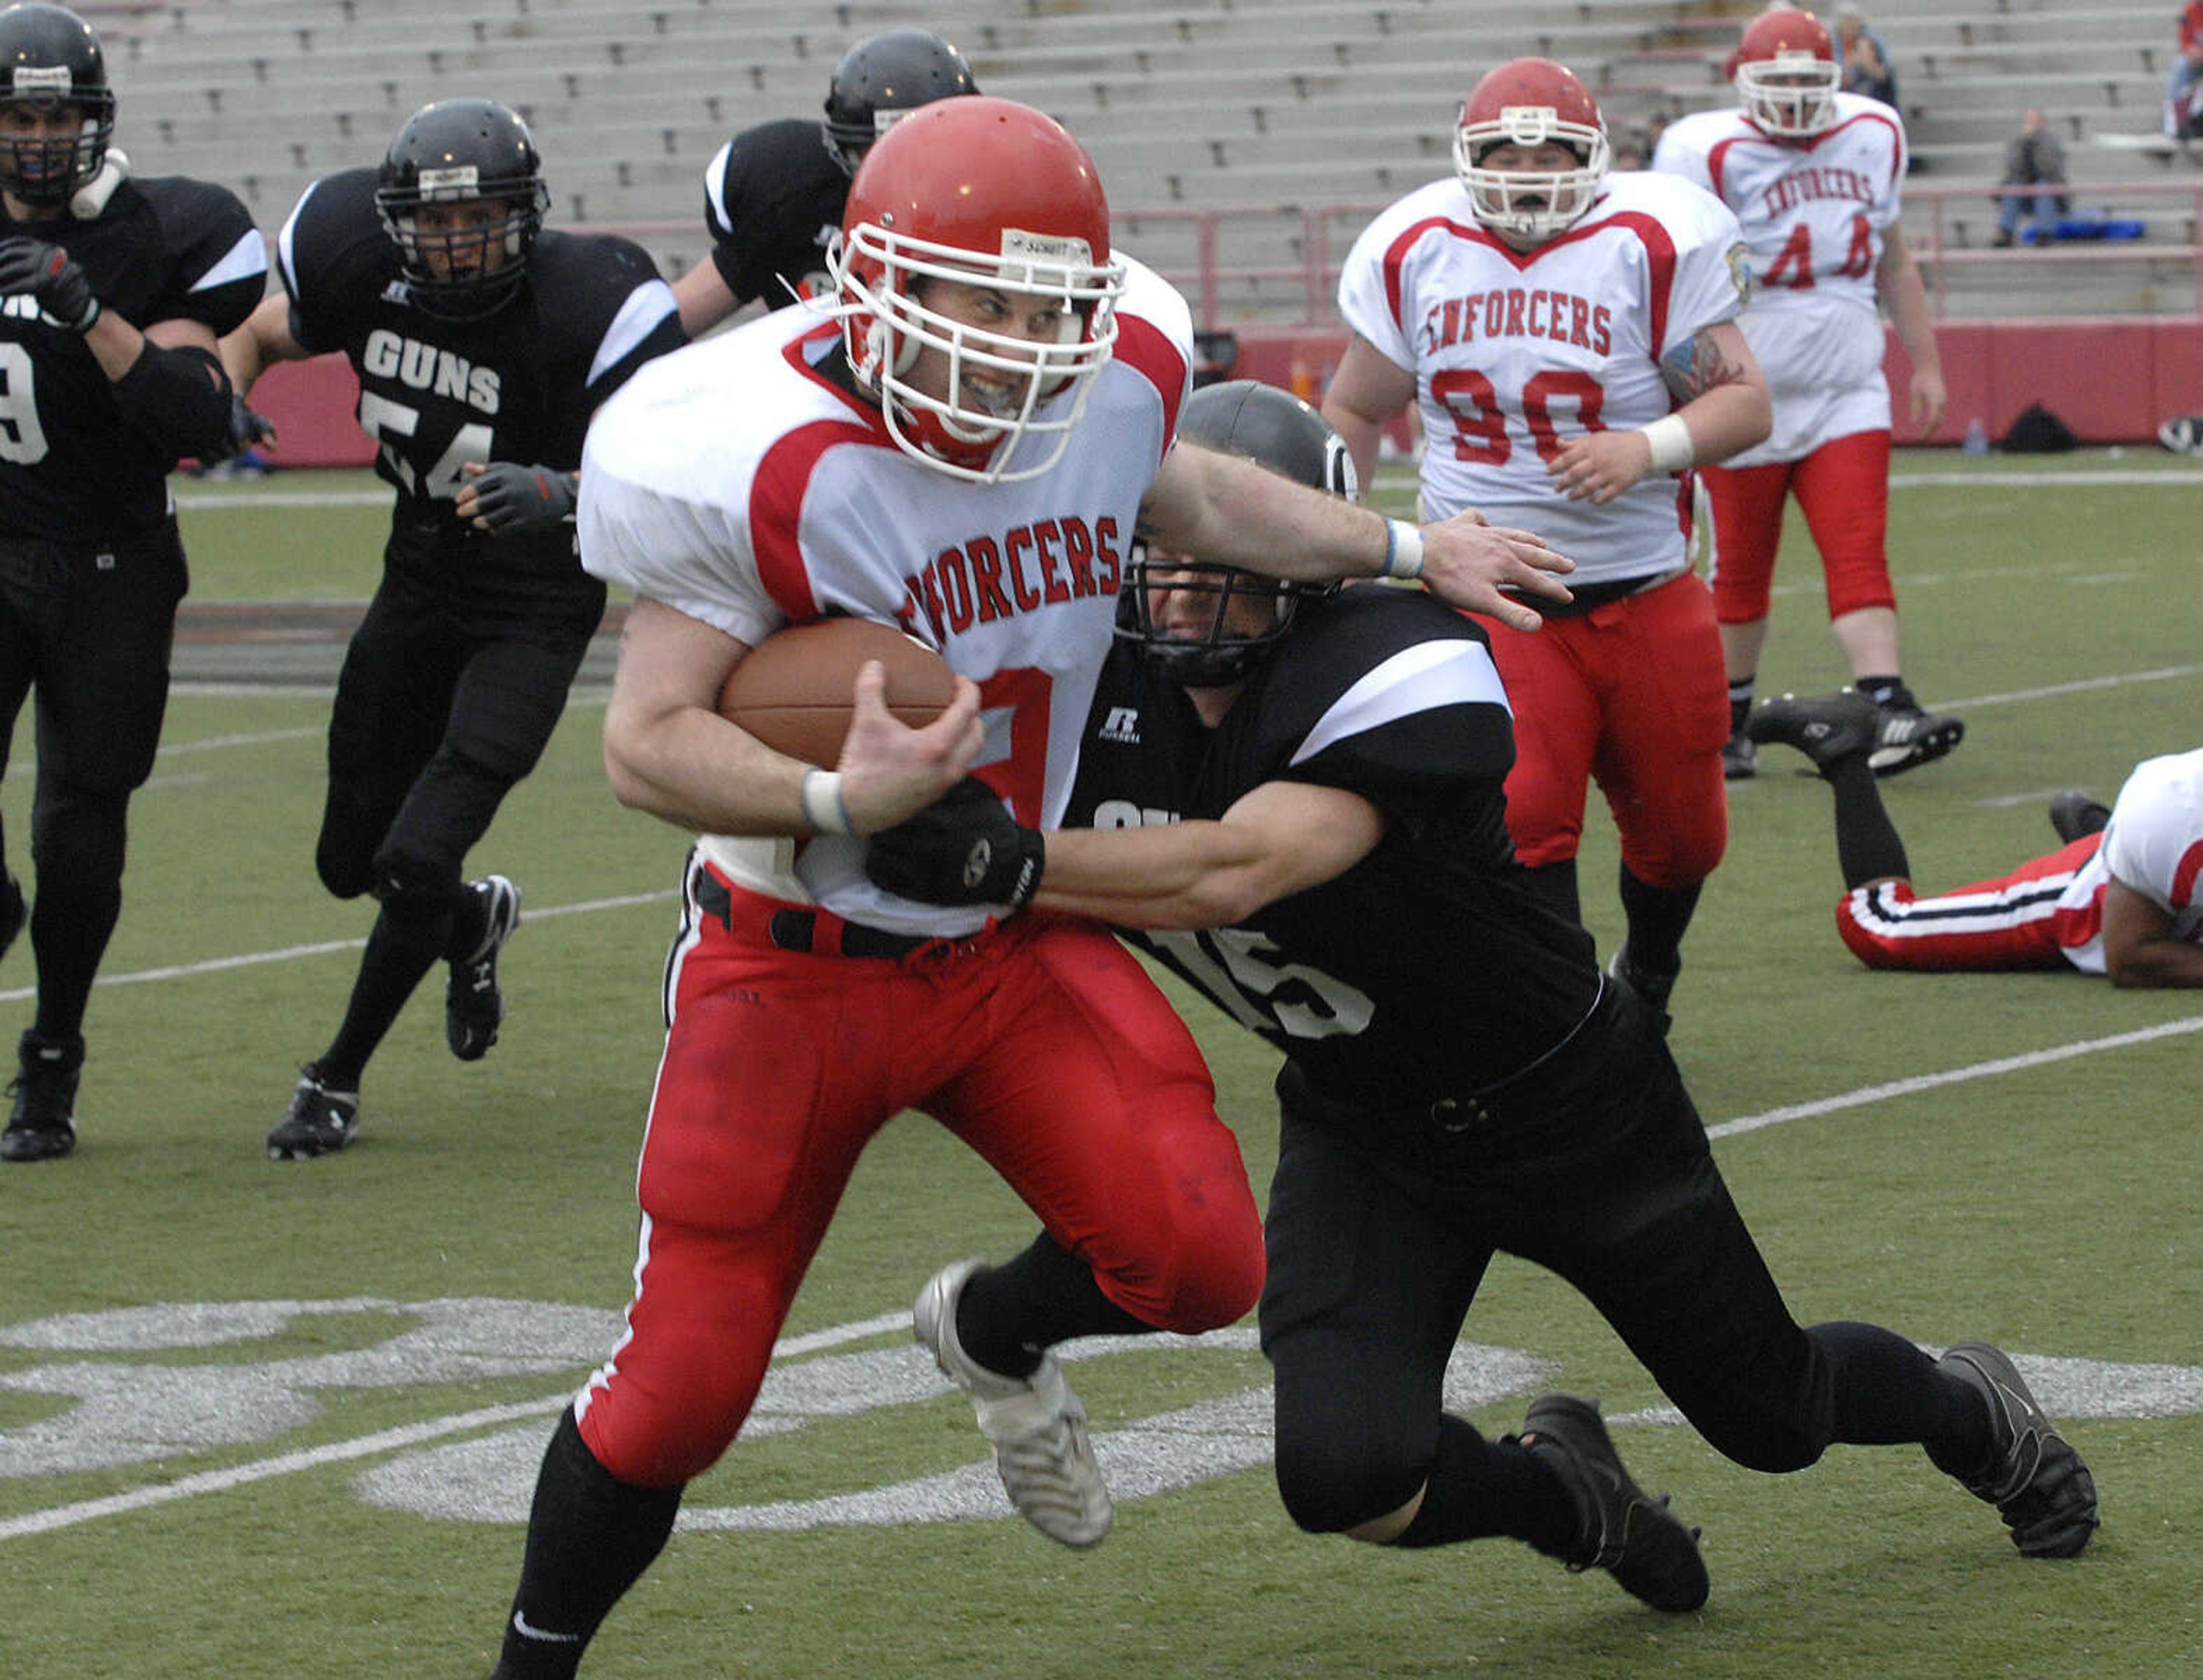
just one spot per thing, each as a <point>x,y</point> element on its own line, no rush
<point>72,469</point>
<point>517,384</point>
<point>1428,969</point>
<point>772,198</point>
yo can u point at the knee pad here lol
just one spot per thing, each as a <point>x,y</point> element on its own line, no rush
<point>344,855</point>
<point>411,890</point>
<point>76,830</point>
<point>1331,1485</point>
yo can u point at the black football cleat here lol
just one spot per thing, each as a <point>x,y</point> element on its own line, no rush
<point>2035,1478</point>
<point>42,1125</point>
<point>1653,989</point>
<point>1827,727</point>
<point>2074,815</point>
<point>1909,737</point>
<point>474,1005</point>
<point>319,1121</point>
<point>1739,757</point>
<point>1636,1540</point>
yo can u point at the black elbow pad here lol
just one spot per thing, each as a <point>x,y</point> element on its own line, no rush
<point>179,399</point>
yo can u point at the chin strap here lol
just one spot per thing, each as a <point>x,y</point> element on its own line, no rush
<point>90,200</point>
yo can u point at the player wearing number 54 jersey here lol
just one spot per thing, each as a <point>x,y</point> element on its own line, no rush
<point>1816,176</point>
<point>1569,338</point>
<point>482,345</point>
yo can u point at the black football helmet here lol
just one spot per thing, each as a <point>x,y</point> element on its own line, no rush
<point>880,78</point>
<point>1276,428</point>
<point>462,151</point>
<point>50,59</point>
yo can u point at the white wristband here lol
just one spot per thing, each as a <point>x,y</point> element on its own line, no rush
<point>1403,550</point>
<point>823,807</point>
<point>1673,451</point>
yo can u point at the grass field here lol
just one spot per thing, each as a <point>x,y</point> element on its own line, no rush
<point>261,1420</point>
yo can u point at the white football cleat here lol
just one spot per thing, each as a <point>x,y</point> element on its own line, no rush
<point>1037,1424</point>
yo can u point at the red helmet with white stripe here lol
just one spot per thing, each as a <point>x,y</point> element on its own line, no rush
<point>1527,101</point>
<point>1786,74</point>
<point>987,192</point>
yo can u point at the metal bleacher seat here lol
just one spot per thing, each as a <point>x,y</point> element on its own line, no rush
<point>1216,104</point>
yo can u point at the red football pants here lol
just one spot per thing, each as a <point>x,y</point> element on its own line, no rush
<point>1843,490</point>
<point>1632,695</point>
<point>2011,921</point>
<point>1042,1045</point>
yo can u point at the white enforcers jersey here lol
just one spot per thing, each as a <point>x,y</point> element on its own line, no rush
<point>732,482</point>
<point>2153,846</point>
<point>1817,216</point>
<point>1515,352</point>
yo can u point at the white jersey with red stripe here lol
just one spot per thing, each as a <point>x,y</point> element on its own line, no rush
<point>1816,214</point>
<point>1514,351</point>
<point>739,486</point>
<point>2154,847</point>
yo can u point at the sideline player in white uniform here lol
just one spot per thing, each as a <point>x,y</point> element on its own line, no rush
<point>1816,176</point>
<point>2124,901</point>
<point>1569,338</point>
<point>967,453</point>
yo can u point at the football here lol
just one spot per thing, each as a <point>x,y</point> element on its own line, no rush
<point>793,690</point>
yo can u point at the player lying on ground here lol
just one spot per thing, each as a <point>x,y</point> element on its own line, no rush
<point>1316,776</point>
<point>2124,900</point>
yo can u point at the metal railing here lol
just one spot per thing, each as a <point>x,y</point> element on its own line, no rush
<point>1226,261</point>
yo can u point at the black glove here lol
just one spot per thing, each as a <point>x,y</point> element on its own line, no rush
<point>246,428</point>
<point>31,267</point>
<point>509,496</point>
<point>964,849</point>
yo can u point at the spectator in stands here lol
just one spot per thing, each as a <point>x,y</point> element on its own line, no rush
<point>1632,150</point>
<point>2187,70</point>
<point>2121,895</point>
<point>2033,158</point>
<point>773,195</point>
<point>1867,67</point>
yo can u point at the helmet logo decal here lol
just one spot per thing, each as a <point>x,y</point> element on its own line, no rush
<point>1046,247</point>
<point>1529,125</point>
<point>53,81</point>
<point>462,180</point>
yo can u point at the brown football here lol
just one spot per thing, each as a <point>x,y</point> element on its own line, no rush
<point>793,689</point>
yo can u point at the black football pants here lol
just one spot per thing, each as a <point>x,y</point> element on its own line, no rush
<point>1372,1270</point>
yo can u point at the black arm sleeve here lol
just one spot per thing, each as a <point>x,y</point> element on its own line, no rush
<point>179,399</point>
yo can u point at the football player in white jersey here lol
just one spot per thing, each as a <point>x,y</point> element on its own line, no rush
<point>1569,338</point>
<point>2122,896</point>
<point>965,449</point>
<point>1815,176</point>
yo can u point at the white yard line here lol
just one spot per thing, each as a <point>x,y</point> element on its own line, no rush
<point>382,1440</point>
<point>1930,1081</point>
<point>290,952</point>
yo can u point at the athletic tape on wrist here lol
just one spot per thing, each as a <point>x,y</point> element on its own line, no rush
<point>1403,550</point>
<point>823,807</point>
<point>1673,451</point>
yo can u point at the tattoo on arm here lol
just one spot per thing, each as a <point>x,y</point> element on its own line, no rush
<point>1696,366</point>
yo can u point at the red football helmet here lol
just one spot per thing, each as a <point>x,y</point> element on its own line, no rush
<point>1785,73</point>
<point>984,192</point>
<point>1527,101</point>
